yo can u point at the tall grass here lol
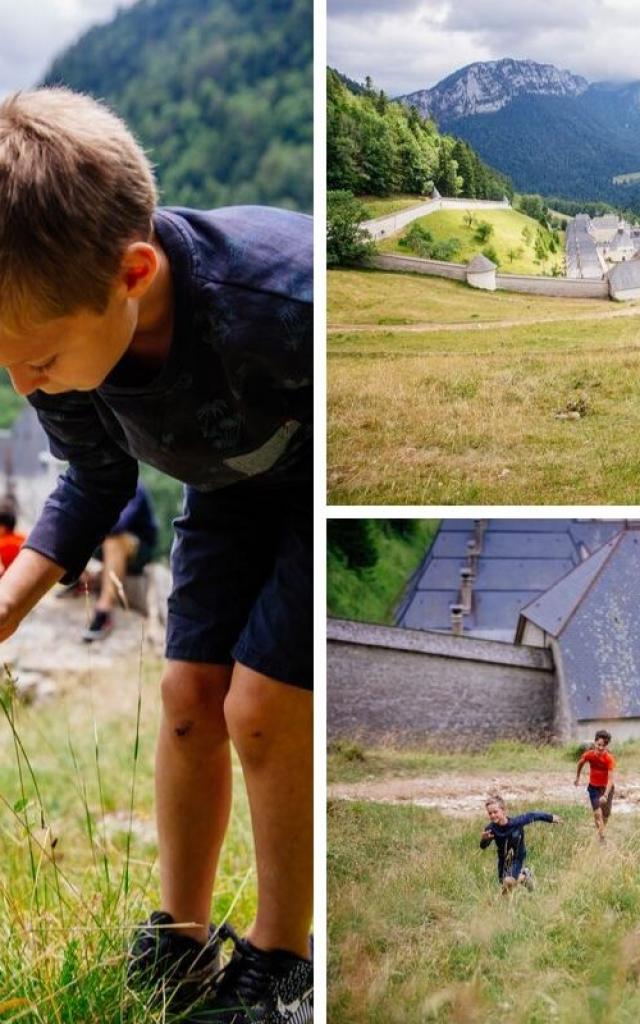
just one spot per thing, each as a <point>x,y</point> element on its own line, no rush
<point>77,850</point>
<point>420,932</point>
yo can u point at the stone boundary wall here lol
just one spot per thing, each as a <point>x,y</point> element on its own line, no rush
<point>569,287</point>
<point>416,265</point>
<point>385,682</point>
<point>553,286</point>
<point>380,227</point>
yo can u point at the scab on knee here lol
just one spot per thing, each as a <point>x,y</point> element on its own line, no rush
<point>183,729</point>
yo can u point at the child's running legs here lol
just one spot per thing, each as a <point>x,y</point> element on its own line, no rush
<point>193,788</point>
<point>270,724</point>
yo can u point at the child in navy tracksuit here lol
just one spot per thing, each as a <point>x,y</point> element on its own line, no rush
<point>508,834</point>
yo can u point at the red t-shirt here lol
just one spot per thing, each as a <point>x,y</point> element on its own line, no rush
<point>10,544</point>
<point>600,764</point>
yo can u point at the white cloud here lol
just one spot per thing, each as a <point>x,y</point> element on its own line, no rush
<point>35,31</point>
<point>406,45</point>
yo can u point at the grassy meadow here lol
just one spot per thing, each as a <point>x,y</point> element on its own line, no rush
<point>516,255</point>
<point>441,394</point>
<point>78,852</point>
<point>418,928</point>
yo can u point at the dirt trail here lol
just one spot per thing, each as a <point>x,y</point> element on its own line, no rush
<point>485,325</point>
<point>463,794</point>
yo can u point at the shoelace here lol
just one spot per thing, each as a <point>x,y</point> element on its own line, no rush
<point>246,977</point>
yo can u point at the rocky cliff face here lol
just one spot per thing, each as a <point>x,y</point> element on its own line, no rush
<point>483,88</point>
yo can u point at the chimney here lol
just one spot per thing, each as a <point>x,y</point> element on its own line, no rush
<point>457,623</point>
<point>472,555</point>
<point>480,526</point>
<point>466,589</point>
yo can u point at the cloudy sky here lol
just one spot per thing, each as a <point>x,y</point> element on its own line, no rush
<point>411,44</point>
<point>32,32</point>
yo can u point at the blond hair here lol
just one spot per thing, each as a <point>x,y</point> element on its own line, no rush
<point>75,189</point>
<point>497,800</point>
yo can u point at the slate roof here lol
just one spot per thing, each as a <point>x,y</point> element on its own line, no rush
<point>480,263</point>
<point>593,613</point>
<point>521,559</point>
<point>625,276</point>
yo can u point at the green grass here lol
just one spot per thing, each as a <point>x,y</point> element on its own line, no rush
<point>380,207</point>
<point>372,595</point>
<point>507,236</point>
<point>81,773</point>
<point>419,932</point>
<point>351,762</point>
<point>10,403</point>
<point>468,416</point>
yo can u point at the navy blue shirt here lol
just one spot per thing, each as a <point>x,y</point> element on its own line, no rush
<point>509,838</point>
<point>233,401</point>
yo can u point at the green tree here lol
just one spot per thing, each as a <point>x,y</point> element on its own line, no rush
<point>484,231</point>
<point>347,242</point>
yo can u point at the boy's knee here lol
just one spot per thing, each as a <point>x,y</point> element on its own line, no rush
<point>193,698</point>
<point>250,714</point>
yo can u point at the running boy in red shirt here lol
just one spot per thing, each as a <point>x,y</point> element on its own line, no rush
<point>601,788</point>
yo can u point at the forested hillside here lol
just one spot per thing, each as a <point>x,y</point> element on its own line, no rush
<point>564,146</point>
<point>219,92</point>
<point>379,147</point>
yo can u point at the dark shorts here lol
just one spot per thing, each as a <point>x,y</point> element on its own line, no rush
<point>595,792</point>
<point>242,564</point>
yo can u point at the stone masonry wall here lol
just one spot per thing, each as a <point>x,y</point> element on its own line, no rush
<point>389,682</point>
<point>415,265</point>
<point>569,287</point>
<point>380,227</point>
<point>554,286</point>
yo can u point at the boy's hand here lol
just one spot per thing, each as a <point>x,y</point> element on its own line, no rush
<point>557,820</point>
<point>27,579</point>
<point>576,782</point>
<point>487,834</point>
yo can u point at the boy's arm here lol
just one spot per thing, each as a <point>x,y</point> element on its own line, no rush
<point>531,816</point>
<point>27,579</point>
<point>609,785</point>
<point>486,838</point>
<point>90,495</point>
<point>579,767</point>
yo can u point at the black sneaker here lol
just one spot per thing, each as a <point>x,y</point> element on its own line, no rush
<point>178,968</point>
<point>258,987</point>
<point>100,626</point>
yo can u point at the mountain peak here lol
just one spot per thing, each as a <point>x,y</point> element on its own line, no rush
<point>487,86</point>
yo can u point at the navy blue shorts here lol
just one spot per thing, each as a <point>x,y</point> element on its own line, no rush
<point>242,564</point>
<point>595,792</point>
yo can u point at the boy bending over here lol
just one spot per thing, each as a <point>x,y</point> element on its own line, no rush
<point>181,338</point>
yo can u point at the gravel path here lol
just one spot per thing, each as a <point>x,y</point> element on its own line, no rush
<point>463,794</point>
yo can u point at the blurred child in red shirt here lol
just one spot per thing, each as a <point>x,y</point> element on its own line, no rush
<point>600,789</point>
<point>10,541</point>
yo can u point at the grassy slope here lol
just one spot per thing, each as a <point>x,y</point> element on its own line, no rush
<point>508,226</point>
<point>469,416</point>
<point>371,595</point>
<point>418,931</point>
<point>64,935</point>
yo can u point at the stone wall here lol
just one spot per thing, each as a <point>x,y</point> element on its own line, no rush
<point>554,286</point>
<point>567,287</point>
<point>415,265</point>
<point>380,227</point>
<point>388,682</point>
